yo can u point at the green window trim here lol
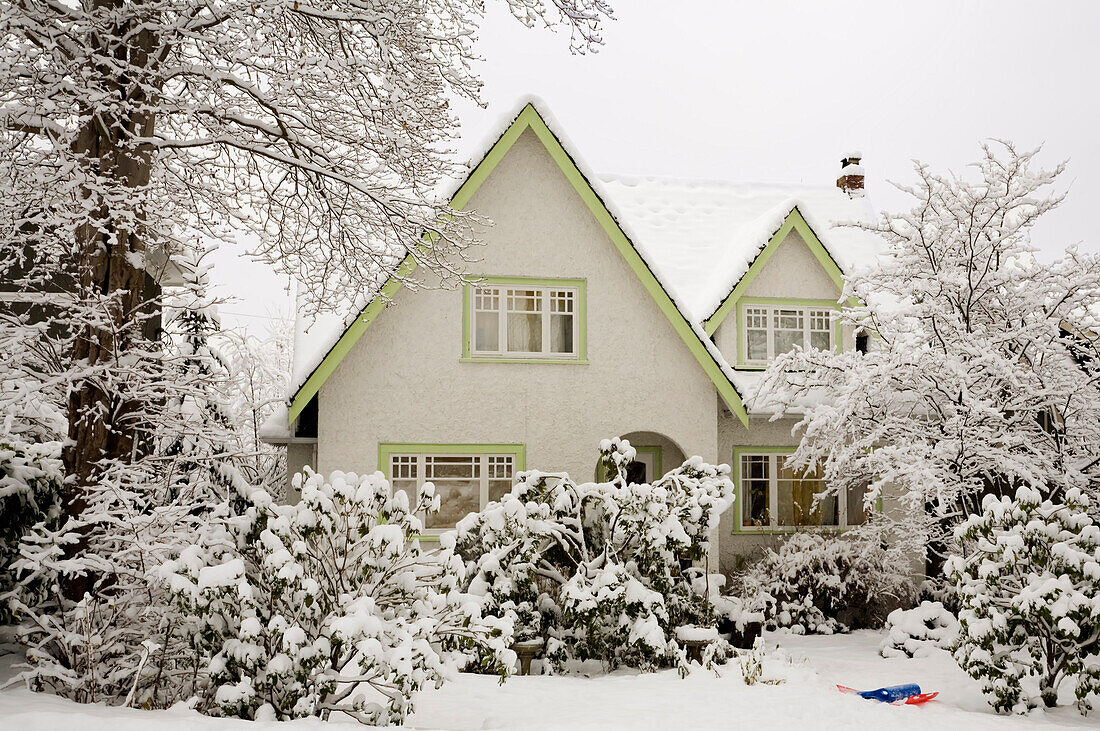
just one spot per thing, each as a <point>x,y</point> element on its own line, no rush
<point>581,285</point>
<point>838,333</point>
<point>740,530</point>
<point>793,222</point>
<point>529,118</point>
<point>386,449</point>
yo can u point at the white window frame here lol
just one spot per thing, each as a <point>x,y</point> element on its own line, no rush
<point>770,311</point>
<point>485,461</point>
<point>545,292</point>
<point>774,462</point>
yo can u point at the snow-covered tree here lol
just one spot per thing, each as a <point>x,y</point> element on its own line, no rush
<point>981,375</point>
<point>261,370</point>
<point>129,128</point>
<point>95,619</point>
<point>200,449</point>
<point>1028,579</point>
<point>599,570</point>
<point>329,605</point>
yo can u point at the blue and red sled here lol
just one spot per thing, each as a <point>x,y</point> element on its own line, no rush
<point>908,694</point>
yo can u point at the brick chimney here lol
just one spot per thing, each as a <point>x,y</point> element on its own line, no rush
<point>851,175</point>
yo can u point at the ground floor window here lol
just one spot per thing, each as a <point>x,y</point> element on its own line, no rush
<point>466,477</point>
<point>773,495</point>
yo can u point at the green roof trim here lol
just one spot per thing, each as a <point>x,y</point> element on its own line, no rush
<point>793,222</point>
<point>529,118</point>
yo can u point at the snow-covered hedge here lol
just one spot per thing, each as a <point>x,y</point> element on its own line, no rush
<point>822,584</point>
<point>599,570</point>
<point>1028,576</point>
<point>30,492</point>
<point>912,632</point>
<point>328,606</point>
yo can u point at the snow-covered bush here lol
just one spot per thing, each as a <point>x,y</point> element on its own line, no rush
<point>30,493</point>
<point>815,583</point>
<point>912,632</point>
<point>599,569</point>
<point>330,605</point>
<point>1028,575</point>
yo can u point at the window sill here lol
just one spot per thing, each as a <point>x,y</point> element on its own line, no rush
<point>547,361</point>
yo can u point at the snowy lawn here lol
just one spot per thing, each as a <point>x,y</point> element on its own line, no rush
<point>807,700</point>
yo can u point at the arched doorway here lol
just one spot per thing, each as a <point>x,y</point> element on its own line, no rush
<point>656,455</point>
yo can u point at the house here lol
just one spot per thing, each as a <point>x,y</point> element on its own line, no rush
<point>599,307</point>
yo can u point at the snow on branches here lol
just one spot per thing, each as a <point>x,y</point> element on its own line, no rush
<point>819,584</point>
<point>329,606</point>
<point>1028,579</point>
<point>982,370</point>
<point>599,570</point>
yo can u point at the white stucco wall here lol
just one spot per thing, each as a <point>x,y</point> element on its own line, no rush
<point>792,271</point>
<point>403,382</point>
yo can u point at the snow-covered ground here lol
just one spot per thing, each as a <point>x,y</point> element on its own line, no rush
<point>807,700</point>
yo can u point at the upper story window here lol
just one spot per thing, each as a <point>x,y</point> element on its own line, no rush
<point>526,320</point>
<point>776,496</point>
<point>769,330</point>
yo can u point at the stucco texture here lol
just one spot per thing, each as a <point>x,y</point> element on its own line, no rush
<point>404,382</point>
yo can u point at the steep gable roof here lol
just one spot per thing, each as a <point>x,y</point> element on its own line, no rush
<point>587,188</point>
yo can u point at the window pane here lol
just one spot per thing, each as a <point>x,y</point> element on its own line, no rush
<point>500,468</point>
<point>457,480</point>
<point>820,320</point>
<point>756,317</point>
<point>788,319</point>
<point>757,345</point>
<point>524,333</point>
<point>457,498</point>
<point>487,332</point>
<point>447,466</point>
<point>754,489</point>
<point>857,514</point>
<point>796,499</point>
<point>409,488</point>
<point>786,340</point>
<point>820,340</point>
<point>524,300</point>
<point>561,333</point>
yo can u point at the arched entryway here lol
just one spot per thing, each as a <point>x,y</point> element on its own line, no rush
<point>656,455</point>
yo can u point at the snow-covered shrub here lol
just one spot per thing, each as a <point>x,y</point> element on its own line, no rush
<point>912,632</point>
<point>822,584</point>
<point>1028,575</point>
<point>741,617</point>
<point>30,493</point>
<point>599,569</point>
<point>330,605</point>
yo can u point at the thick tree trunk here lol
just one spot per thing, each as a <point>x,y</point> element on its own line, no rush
<point>109,250</point>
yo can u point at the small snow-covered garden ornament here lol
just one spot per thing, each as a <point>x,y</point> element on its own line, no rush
<point>330,605</point>
<point>598,569</point>
<point>1028,579</point>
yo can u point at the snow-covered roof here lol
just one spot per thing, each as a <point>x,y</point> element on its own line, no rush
<point>698,237</point>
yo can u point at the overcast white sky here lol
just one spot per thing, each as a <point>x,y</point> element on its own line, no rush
<point>779,91</point>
